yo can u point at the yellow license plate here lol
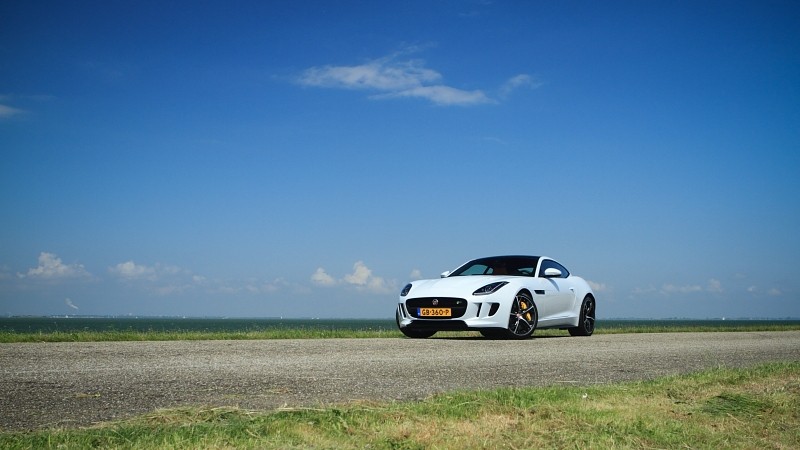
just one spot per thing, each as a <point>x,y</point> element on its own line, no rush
<point>434,312</point>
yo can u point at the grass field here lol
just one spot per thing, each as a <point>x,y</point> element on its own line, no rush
<point>755,408</point>
<point>209,330</point>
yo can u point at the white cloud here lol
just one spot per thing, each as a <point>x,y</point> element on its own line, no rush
<point>774,292</point>
<point>361,274</point>
<point>441,95</point>
<point>415,274</point>
<point>51,267</point>
<point>382,74</point>
<point>130,270</point>
<point>321,278</point>
<point>392,78</point>
<point>361,279</point>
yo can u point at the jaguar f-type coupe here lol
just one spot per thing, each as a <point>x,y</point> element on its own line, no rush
<point>500,296</point>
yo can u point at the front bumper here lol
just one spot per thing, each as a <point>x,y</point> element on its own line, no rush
<point>466,314</point>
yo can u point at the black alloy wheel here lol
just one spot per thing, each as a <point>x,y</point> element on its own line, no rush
<point>523,318</point>
<point>586,321</point>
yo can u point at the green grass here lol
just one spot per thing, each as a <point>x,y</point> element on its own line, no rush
<point>754,408</point>
<point>332,333</point>
<point>124,335</point>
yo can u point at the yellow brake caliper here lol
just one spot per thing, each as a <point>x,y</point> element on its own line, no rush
<point>524,306</point>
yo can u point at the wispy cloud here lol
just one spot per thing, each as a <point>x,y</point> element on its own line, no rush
<point>164,279</point>
<point>6,100</point>
<point>52,268</point>
<point>394,77</point>
<point>441,95</point>
<point>518,82</point>
<point>597,287</point>
<point>7,112</point>
<point>382,74</point>
<point>772,292</point>
<point>159,278</point>
<point>713,286</point>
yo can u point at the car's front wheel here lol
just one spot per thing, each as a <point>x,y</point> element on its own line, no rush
<point>417,334</point>
<point>523,318</point>
<point>586,320</point>
<point>413,333</point>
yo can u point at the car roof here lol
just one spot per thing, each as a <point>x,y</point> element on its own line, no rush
<point>510,257</point>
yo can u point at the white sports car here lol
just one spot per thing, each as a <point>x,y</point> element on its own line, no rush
<point>500,296</point>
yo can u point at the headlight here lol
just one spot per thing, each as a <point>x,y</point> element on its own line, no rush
<point>405,290</point>
<point>490,288</point>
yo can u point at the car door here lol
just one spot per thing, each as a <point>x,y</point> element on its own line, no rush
<point>559,295</point>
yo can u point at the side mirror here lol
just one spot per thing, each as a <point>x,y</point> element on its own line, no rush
<point>445,274</point>
<point>552,273</point>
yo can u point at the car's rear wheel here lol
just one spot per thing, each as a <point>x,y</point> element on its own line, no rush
<point>586,320</point>
<point>523,318</point>
<point>413,333</point>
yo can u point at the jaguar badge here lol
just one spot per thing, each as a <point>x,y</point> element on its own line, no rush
<point>435,302</point>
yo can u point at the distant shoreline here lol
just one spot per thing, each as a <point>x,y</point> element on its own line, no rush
<point>92,329</point>
<point>146,317</point>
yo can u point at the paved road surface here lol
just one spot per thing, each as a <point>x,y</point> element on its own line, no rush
<point>75,384</point>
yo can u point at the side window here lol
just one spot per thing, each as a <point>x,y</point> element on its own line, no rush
<point>549,264</point>
<point>564,271</point>
<point>542,267</point>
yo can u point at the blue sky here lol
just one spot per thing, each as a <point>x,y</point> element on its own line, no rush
<point>308,158</point>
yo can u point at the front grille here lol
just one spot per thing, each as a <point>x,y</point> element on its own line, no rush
<point>458,306</point>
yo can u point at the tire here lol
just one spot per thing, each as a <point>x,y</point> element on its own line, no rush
<point>586,320</point>
<point>417,334</point>
<point>523,318</point>
<point>493,333</point>
<point>412,333</point>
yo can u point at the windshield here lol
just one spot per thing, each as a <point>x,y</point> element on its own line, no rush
<point>520,266</point>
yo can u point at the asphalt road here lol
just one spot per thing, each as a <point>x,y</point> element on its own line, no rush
<point>76,384</point>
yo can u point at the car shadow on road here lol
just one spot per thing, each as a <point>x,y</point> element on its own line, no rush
<point>482,338</point>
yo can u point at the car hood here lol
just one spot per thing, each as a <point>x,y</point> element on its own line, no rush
<point>461,286</point>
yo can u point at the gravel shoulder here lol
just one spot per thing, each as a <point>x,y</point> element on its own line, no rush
<point>78,384</point>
